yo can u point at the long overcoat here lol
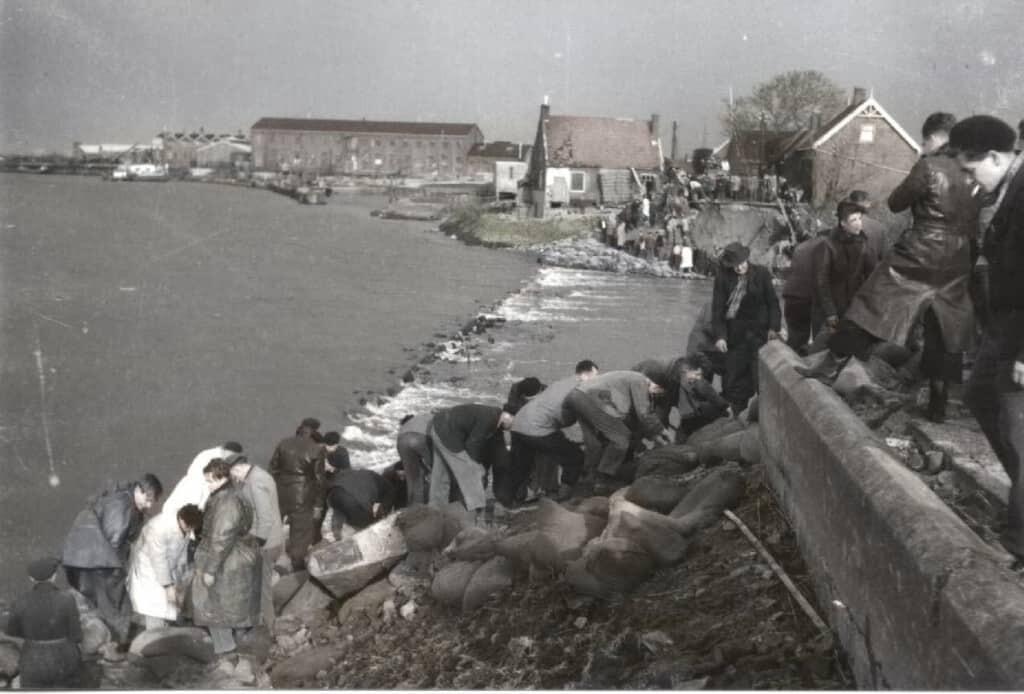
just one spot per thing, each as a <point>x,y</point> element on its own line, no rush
<point>294,467</point>
<point>931,264</point>
<point>231,554</point>
<point>159,559</point>
<point>103,531</point>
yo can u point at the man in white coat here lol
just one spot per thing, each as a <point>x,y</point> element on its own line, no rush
<point>158,564</point>
<point>192,489</point>
<point>257,487</point>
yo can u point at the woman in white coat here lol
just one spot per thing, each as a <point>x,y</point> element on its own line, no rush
<point>159,562</point>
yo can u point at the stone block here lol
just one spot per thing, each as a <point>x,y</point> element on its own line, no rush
<point>348,565</point>
<point>192,642</point>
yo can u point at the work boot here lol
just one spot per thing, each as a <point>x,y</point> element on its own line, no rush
<point>938,394</point>
<point>827,369</point>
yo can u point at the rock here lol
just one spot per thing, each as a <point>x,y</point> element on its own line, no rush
<point>750,446</point>
<point>495,576</point>
<point>191,642</point>
<point>388,610</point>
<point>346,566</point>
<point>175,671</point>
<point>699,683</point>
<point>310,598</point>
<point>95,633</point>
<point>934,461</point>
<point>286,587</point>
<point>10,654</point>
<point>301,669</point>
<point>256,643</point>
<point>668,461</point>
<point>450,583</point>
<point>244,671</point>
<point>426,528</point>
<point>366,604</point>
<point>580,622</point>
<point>408,611</point>
<point>706,500</point>
<point>655,493</point>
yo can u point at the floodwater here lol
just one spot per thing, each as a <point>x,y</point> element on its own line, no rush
<point>143,322</point>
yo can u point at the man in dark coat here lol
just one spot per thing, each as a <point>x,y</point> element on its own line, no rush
<point>294,467</point>
<point>96,549</point>
<point>47,618</point>
<point>357,498</point>
<point>994,392</point>
<point>841,265</point>
<point>467,439</point>
<point>926,273</point>
<point>798,293</point>
<point>875,243</point>
<point>257,488</point>
<point>745,315</point>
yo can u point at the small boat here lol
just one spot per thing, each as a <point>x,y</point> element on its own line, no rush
<point>139,172</point>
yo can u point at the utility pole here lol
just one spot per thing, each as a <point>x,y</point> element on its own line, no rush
<point>675,138</point>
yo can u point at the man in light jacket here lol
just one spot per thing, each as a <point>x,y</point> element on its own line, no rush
<point>191,489</point>
<point>257,487</point>
<point>159,564</point>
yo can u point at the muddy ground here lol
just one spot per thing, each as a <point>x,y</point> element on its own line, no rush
<point>719,620</point>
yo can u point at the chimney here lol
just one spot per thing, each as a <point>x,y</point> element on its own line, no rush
<point>654,125</point>
<point>860,95</point>
<point>675,138</point>
<point>545,109</point>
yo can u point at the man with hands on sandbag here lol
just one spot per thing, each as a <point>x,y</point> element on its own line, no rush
<point>610,408</point>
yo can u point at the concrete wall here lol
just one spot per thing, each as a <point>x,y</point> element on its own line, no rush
<point>916,598</point>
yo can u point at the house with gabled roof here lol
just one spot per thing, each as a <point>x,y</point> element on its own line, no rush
<point>587,161</point>
<point>861,147</point>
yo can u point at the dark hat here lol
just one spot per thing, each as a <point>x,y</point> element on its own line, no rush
<point>860,197</point>
<point>310,423</point>
<point>982,134</point>
<point>734,254</point>
<point>846,208</point>
<point>235,459</point>
<point>530,386</point>
<point>332,438</point>
<point>43,569</point>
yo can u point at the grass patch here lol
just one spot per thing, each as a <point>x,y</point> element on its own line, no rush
<point>474,225</point>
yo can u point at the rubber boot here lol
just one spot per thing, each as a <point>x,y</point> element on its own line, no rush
<point>938,394</point>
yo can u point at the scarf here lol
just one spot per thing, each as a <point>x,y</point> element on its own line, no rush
<point>736,298</point>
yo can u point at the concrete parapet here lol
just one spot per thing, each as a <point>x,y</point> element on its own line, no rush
<point>916,598</point>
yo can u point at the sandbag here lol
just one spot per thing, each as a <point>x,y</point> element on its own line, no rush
<point>658,535</point>
<point>609,566</point>
<point>472,544</point>
<point>569,530</point>
<point>423,528</point>
<point>531,552</point>
<point>723,426</point>
<point>655,493</point>
<point>592,505</point>
<point>450,583</point>
<point>750,446</point>
<point>669,461</point>
<point>706,500</point>
<point>366,603</point>
<point>495,576</point>
<point>720,450</point>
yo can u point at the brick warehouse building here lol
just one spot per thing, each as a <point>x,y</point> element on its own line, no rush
<point>363,146</point>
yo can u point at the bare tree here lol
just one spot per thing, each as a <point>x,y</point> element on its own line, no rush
<point>786,102</point>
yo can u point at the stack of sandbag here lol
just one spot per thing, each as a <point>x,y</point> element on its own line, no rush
<point>638,540</point>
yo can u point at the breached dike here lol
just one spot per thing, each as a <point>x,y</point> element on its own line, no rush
<point>589,254</point>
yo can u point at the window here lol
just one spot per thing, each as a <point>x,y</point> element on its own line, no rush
<point>867,134</point>
<point>577,182</point>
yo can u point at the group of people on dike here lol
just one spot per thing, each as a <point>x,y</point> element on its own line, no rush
<point>953,277</point>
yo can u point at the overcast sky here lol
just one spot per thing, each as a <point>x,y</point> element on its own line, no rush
<point>121,71</point>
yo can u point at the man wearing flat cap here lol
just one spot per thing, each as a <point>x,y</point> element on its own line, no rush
<point>744,316</point>
<point>985,150</point>
<point>47,618</point>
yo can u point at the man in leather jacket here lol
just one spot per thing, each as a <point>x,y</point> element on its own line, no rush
<point>295,466</point>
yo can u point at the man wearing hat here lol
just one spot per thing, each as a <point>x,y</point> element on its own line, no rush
<point>745,314</point>
<point>47,618</point>
<point>985,150</point>
<point>294,466</point>
<point>841,264</point>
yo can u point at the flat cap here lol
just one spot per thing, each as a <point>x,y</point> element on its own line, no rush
<point>982,134</point>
